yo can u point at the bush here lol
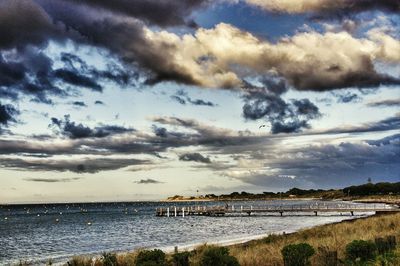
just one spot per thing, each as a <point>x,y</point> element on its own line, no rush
<point>382,245</point>
<point>151,258</point>
<point>109,259</point>
<point>360,250</point>
<point>217,256</point>
<point>385,245</point>
<point>297,254</point>
<point>181,259</point>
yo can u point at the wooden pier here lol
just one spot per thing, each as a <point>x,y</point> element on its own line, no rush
<point>341,208</point>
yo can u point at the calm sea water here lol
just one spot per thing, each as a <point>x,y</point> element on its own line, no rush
<point>40,232</point>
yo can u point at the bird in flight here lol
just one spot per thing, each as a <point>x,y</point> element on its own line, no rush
<point>262,126</point>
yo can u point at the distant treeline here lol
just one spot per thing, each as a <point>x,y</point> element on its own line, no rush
<point>369,189</point>
<point>373,189</point>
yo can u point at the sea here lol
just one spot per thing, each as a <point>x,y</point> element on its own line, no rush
<point>37,233</point>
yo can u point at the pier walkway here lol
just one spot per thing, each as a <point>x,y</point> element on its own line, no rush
<point>342,208</point>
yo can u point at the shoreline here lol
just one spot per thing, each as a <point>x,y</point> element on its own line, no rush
<point>231,242</point>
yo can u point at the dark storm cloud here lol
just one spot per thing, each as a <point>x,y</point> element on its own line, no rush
<point>390,123</point>
<point>201,102</point>
<point>40,153</point>
<point>178,99</point>
<point>112,73</point>
<point>52,180</point>
<point>124,38</point>
<point>162,13</point>
<point>390,140</point>
<point>79,104</point>
<point>327,165</point>
<point>385,103</point>
<point>24,22</point>
<point>347,97</point>
<point>77,166</point>
<point>194,157</point>
<point>284,117</point>
<point>7,114</point>
<point>28,27</point>
<point>367,78</point>
<point>73,78</point>
<point>78,131</point>
<point>27,72</point>
<point>160,131</point>
<point>357,6</point>
<point>148,181</point>
<point>183,98</point>
<point>11,73</point>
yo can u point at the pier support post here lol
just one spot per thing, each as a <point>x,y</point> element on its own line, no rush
<point>352,213</point>
<point>281,213</point>
<point>168,212</point>
<point>175,211</point>
<point>316,213</point>
<point>183,212</point>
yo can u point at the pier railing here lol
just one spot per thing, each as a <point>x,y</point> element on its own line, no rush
<point>281,208</point>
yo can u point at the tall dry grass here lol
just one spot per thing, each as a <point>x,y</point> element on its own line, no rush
<point>333,237</point>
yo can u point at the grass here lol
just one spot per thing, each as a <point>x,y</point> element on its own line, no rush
<point>333,237</point>
<point>267,251</point>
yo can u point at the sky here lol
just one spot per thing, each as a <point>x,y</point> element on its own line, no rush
<point>140,100</point>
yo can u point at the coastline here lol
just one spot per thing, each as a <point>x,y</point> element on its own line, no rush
<point>230,243</point>
<point>233,242</point>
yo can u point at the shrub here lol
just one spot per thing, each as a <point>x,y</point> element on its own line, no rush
<point>217,256</point>
<point>392,242</point>
<point>360,250</point>
<point>181,259</point>
<point>384,245</point>
<point>297,254</point>
<point>154,257</point>
<point>109,259</point>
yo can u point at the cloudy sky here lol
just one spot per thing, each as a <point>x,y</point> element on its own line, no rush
<point>142,99</point>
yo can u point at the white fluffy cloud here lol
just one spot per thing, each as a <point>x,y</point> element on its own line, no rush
<point>297,6</point>
<point>325,6</point>
<point>224,55</point>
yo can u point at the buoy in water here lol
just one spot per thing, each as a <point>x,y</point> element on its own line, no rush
<point>57,220</point>
<point>89,223</point>
<point>5,218</point>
